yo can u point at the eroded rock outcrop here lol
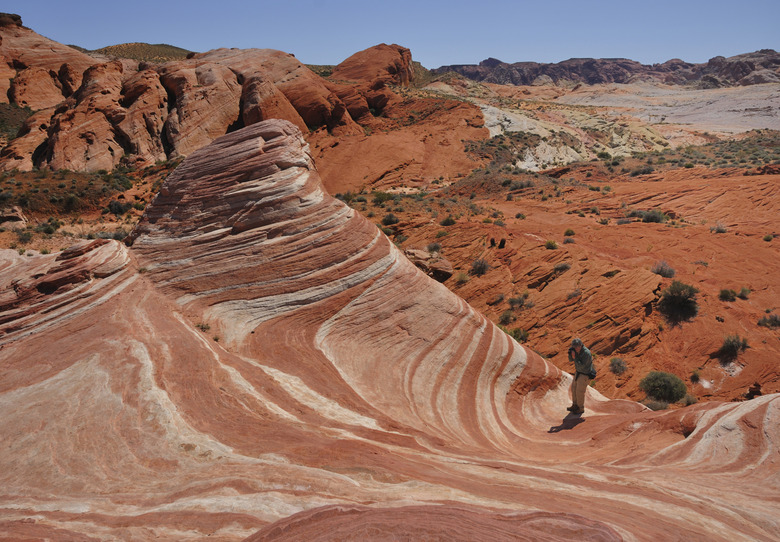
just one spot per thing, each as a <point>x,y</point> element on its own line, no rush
<point>104,114</point>
<point>263,354</point>
<point>386,63</point>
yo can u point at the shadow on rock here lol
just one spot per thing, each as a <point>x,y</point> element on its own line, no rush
<point>569,422</point>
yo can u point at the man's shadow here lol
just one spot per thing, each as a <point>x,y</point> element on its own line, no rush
<point>569,422</point>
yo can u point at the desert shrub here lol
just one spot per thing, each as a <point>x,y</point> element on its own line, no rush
<point>732,346</point>
<point>622,221</point>
<point>499,222</point>
<point>772,321</point>
<point>663,386</point>
<point>506,318</point>
<point>449,221</point>
<point>655,405</point>
<point>768,237</point>
<point>678,302</point>
<point>743,293</point>
<point>479,267</point>
<point>695,377</point>
<point>390,219</point>
<point>568,233</point>
<point>520,216</point>
<point>645,170</point>
<point>381,197</point>
<point>662,268</point>
<point>461,278</point>
<point>433,247</point>
<point>517,302</point>
<point>574,293</point>
<point>24,237</point>
<point>617,366</point>
<point>568,240</point>
<point>386,231</point>
<point>689,399</point>
<point>440,234</point>
<point>727,295</point>
<point>550,244</point>
<point>718,228</point>
<point>519,334</point>
<point>118,208</point>
<point>561,267</point>
<point>654,216</point>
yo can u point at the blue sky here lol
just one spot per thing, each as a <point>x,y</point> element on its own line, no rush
<point>437,32</point>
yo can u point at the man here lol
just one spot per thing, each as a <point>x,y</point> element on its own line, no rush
<point>583,365</point>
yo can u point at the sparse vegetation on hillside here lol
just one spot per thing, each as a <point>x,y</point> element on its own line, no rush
<point>160,52</point>
<point>323,70</point>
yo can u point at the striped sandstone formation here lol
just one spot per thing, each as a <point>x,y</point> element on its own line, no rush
<point>262,362</point>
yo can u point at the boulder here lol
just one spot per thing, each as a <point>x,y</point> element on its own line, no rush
<point>36,88</point>
<point>432,264</point>
<point>12,217</point>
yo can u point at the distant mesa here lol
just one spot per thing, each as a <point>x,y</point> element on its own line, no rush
<point>747,69</point>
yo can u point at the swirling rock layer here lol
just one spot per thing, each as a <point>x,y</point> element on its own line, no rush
<point>263,361</point>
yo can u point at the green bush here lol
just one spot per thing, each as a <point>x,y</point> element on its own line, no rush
<point>433,247</point>
<point>727,295</point>
<point>550,245</point>
<point>568,233</point>
<point>390,219</point>
<point>743,293</point>
<point>678,302</point>
<point>663,386</point>
<point>768,237</point>
<point>449,221</point>
<point>771,321</point>
<point>732,346</point>
<point>506,318</point>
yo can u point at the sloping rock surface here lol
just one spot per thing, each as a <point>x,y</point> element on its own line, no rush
<point>264,362</point>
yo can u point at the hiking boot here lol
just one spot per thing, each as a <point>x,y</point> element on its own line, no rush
<point>578,411</point>
<point>572,408</point>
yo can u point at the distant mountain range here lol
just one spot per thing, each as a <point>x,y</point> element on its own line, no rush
<point>747,69</point>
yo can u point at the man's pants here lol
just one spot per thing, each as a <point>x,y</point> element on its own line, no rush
<point>578,387</point>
